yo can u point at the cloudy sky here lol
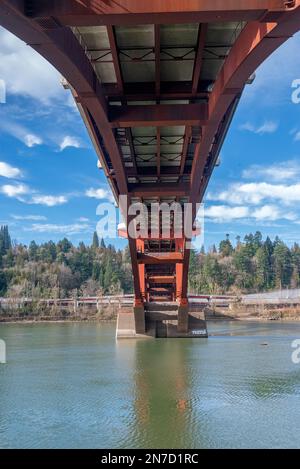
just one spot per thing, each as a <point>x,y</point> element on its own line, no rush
<point>50,185</point>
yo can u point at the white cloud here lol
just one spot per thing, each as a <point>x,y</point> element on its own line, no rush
<point>255,193</point>
<point>31,140</point>
<point>277,172</point>
<point>27,73</point>
<point>272,213</point>
<point>83,219</point>
<point>99,194</point>
<point>297,136</point>
<point>18,191</point>
<point>69,142</point>
<point>268,127</point>
<point>15,191</point>
<point>219,213</point>
<point>20,132</point>
<point>8,171</point>
<point>29,217</point>
<point>225,213</point>
<point>59,229</point>
<point>49,200</point>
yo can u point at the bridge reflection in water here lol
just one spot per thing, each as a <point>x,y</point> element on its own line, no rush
<point>162,394</point>
<point>157,84</point>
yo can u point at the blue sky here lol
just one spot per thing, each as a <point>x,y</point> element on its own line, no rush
<point>50,185</point>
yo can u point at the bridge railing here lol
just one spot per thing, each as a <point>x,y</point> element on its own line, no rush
<point>119,300</point>
<point>127,300</point>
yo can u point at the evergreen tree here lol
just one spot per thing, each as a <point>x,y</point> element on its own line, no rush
<point>262,269</point>
<point>257,240</point>
<point>193,269</point>
<point>5,240</point>
<point>33,251</point>
<point>243,264</point>
<point>64,246</point>
<point>225,247</point>
<point>212,273</point>
<point>282,265</point>
<point>238,242</point>
<point>269,246</point>
<point>95,243</point>
<point>3,284</point>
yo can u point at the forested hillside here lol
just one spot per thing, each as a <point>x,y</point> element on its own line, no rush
<point>53,270</point>
<point>58,270</point>
<point>252,265</point>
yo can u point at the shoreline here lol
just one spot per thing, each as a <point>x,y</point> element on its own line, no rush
<point>61,321</point>
<point>108,321</point>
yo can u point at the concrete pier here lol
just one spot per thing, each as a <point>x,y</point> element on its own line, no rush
<point>161,320</point>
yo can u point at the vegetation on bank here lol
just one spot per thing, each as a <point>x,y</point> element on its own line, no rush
<point>252,265</point>
<point>59,270</point>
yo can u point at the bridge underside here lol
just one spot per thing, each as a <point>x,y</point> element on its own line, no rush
<point>157,84</point>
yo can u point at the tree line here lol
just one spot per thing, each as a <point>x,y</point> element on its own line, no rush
<point>253,265</point>
<point>58,270</point>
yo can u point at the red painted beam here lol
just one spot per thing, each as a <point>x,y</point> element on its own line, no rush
<point>199,57</point>
<point>158,115</point>
<point>160,290</point>
<point>159,190</point>
<point>161,279</point>
<point>152,171</point>
<point>143,91</point>
<point>158,156</point>
<point>115,56</point>
<point>157,59</point>
<point>99,12</point>
<point>160,258</point>
<point>188,132</point>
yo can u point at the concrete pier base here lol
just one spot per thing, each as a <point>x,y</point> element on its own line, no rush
<point>126,327</point>
<point>161,320</point>
<point>183,319</point>
<point>139,319</point>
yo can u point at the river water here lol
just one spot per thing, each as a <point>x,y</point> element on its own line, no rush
<point>74,386</point>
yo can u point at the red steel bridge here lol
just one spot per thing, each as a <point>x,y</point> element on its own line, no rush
<point>157,83</point>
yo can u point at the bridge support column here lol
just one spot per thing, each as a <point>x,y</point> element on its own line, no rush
<point>139,318</point>
<point>141,267</point>
<point>179,244</point>
<point>183,316</point>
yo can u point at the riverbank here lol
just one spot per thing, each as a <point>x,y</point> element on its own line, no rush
<point>111,316</point>
<point>34,312</point>
<point>56,314</point>
<point>256,311</point>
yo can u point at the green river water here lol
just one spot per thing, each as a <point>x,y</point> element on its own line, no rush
<point>71,385</point>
